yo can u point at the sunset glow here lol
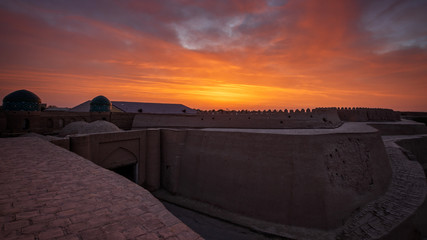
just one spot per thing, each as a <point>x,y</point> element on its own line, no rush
<point>236,54</point>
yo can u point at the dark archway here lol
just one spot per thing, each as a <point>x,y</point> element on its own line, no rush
<point>127,171</point>
<point>50,123</point>
<point>26,125</point>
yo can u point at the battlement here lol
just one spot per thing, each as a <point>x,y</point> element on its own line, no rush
<point>367,114</point>
<point>17,122</point>
<point>264,112</point>
<point>304,118</point>
<point>356,114</point>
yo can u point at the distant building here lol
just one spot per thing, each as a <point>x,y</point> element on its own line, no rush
<point>22,100</point>
<point>138,107</point>
<point>100,104</point>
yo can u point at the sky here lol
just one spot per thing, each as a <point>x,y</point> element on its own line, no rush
<point>222,54</point>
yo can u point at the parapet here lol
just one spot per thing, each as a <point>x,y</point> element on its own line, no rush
<point>287,119</point>
<point>367,114</point>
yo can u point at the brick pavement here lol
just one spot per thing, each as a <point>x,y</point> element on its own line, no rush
<point>405,194</point>
<point>47,192</point>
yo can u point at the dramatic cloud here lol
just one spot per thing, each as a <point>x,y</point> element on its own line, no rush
<point>218,54</point>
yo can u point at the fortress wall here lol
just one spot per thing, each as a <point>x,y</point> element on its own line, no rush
<point>153,154</point>
<point>172,146</point>
<point>122,120</point>
<point>22,122</point>
<point>314,181</point>
<point>367,114</point>
<point>52,122</point>
<point>41,122</point>
<point>3,122</point>
<point>316,119</point>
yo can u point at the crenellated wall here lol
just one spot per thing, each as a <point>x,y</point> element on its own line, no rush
<point>367,114</point>
<point>51,122</point>
<point>318,118</point>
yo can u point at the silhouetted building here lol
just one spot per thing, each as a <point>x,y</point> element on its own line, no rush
<point>22,100</point>
<point>138,107</point>
<point>100,104</point>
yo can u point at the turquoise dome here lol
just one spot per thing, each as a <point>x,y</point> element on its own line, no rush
<point>21,100</point>
<point>100,104</point>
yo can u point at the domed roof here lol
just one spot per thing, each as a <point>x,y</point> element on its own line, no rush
<point>81,127</point>
<point>21,100</point>
<point>100,104</point>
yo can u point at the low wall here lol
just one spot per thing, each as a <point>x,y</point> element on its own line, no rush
<point>13,123</point>
<point>3,122</point>
<point>54,121</point>
<point>21,122</point>
<point>113,150</point>
<point>409,128</point>
<point>318,118</point>
<point>415,116</point>
<point>418,147</point>
<point>313,181</point>
<point>122,120</point>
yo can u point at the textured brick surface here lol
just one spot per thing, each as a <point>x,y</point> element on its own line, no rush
<point>49,193</point>
<point>405,194</point>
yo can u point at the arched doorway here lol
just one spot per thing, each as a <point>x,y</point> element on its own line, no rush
<point>26,124</point>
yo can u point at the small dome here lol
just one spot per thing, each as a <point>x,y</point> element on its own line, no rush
<point>81,127</point>
<point>100,104</point>
<point>21,100</point>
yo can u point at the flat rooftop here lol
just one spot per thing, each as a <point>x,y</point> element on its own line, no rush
<point>47,192</point>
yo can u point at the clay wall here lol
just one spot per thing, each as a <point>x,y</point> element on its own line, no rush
<point>22,121</point>
<point>400,129</point>
<point>3,122</point>
<point>122,120</point>
<point>418,147</point>
<point>367,114</point>
<point>52,122</point>
<point>314,181</point>
<point>113,150</point>
<point>415,116</point>
<point>62,142</point>
<point>318,118</point>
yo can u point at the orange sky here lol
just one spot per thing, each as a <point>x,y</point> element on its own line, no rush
<point>237,54</point>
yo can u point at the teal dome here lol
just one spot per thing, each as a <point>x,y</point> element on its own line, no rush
<point>21,100</point>
<point>100,104</point>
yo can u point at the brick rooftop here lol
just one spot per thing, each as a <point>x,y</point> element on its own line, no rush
<point>47,192</point>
